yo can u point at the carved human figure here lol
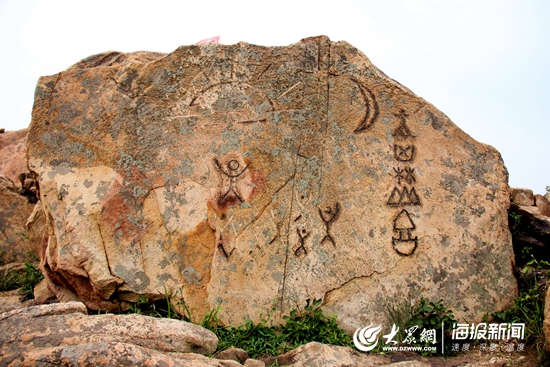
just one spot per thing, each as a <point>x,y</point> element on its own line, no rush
<point>232,170</point>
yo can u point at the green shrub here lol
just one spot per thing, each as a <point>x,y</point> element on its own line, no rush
<point>8,281</point>
<point>528,307</point>
<point>432,315</point>
<point>301,327</point>
<point>25,280</point>
<point>29,279</point>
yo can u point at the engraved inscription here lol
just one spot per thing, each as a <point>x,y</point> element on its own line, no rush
<point>402,131</point>
<point>279,226</point>
<point>403,197</point>
<point>371,107</point>
<point>302,235</point>
<point>232,170</point>
<point>404,174</point>
<point>404,153</point>
<point>328,215</point>
<point>405,243</point>
<point>219,239</point>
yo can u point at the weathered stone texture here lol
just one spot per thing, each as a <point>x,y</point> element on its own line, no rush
<point>64,334</point>
<point>543,205</point>
<point>546,324</point>
<point>317,354</point>
<point>522,196</point>
<point>255,176</point>
<point>15,238</point>
<point>13,155</point>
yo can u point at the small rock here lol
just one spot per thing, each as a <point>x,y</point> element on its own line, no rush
<point>317,354</point>
<point>232,353</point>
<point>42,294</point>
<point>532,230</point>
<point>522,196</point>
<point>14,212</point>
<point>13,150</point>
<point>253,363</point>
<point>543,204</point>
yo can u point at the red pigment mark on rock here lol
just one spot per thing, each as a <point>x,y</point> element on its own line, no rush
<point>259,182</point>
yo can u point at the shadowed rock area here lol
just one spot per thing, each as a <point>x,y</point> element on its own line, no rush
<point>257,176</point>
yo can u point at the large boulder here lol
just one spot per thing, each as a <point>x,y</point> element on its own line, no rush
<point>63,333</point>
<point>13,153</point>
<point>16,239</point>
<point>252,176</point>
<point>530,225</point>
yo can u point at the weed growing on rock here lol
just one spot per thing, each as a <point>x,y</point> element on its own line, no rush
<point>8,281</point>
<point>25,279</point>
<point>431,316</point>
<point>29,279</point>
<point>258,339</point>
<point>424,314</point>
<point>528,307</point>
<point>301,327</point>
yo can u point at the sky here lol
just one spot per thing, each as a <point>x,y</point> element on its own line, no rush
<point>484,63</point>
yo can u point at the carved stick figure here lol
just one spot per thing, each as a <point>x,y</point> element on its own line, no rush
<point>302,235</point>
<point>278,225</point>
<point>219,240</point>
<point>328,215</point>
<point>232,172</point>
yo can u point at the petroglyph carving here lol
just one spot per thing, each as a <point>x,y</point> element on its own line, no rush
<point>302,235</point>
<point>278,225</point>
<point>328,215</point>
<point>219,238</point>
<point>403,197</point>
<point>232,170</point>
<point>402,131</point>
<point>404,153</point>
<point>371,108</point>
<point>404,174</point>
<point>405,244</point>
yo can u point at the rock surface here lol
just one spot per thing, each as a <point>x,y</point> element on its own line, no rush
<point>253,176</point>
<point>15,238</point>
<point>62,333</point>
<point>530,224</point>
<point>13,153</point>
<point>522,196</point>
<point>546,324</point>
<point>543,204</point>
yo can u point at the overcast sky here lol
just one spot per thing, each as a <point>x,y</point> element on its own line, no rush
<point>484,63</point>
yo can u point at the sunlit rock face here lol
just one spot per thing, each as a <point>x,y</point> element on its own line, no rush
<point>254,177</point>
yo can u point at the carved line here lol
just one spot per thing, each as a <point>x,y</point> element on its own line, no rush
<point>219,240</point>
<point>230,82</point>
<point>403,197</point>
<point>278,225</point>
<point>302,241</point>
<point>402,130</point>
<point>332,217</point>
<point>365,124</point>
<point>289,90</point>
<point>232,165</point>
<point>404,153</point>
<point>405,238</point>
<point>406,174</point>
